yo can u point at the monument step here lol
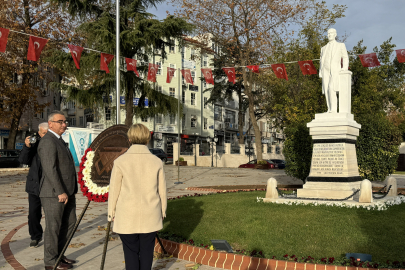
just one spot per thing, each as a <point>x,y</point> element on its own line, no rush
<point>325,193</point>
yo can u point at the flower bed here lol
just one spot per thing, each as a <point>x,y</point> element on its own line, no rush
<point>290,258</point>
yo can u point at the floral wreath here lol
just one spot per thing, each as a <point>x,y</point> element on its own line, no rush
<point>87,186</point>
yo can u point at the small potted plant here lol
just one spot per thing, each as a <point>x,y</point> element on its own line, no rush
<point>181,162</point>
<point>262,164</point>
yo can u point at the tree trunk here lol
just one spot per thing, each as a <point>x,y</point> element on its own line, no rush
<point>241,120</point>
<point>13,131</point>
<point>255,126</point>
<point>247,80</point>
<point>18,110</point>
<point>129,104</point>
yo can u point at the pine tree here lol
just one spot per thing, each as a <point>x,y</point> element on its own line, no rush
<point>141,36</point>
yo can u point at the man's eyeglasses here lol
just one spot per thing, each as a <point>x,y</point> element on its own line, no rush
<point>61,122</point>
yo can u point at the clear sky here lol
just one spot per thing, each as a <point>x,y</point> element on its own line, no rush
<point>374,21</point>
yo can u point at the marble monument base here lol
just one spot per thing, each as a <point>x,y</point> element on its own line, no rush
<point>334,170</point>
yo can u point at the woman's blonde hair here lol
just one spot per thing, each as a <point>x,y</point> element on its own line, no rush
<point>139,134</point>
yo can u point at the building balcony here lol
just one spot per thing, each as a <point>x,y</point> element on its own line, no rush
<point>71,112</point>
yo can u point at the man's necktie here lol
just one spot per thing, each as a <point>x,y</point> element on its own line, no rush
<point>70,154</point>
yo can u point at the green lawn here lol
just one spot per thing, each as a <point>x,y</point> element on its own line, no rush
<point>317,231</point>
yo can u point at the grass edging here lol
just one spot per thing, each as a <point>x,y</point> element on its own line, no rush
<point>233,261</point>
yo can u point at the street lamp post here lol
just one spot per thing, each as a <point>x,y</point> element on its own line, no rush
<point>212,142</point>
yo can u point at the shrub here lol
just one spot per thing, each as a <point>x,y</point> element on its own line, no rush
<point>181,159</point>
<point>262,162</point>
<point>298,151</point>
<point>377,147</point>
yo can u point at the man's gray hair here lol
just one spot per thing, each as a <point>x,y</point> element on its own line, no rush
<point>43,126</point>
<point>50,117</point>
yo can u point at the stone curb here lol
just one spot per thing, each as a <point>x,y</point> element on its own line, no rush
<point>232,261</point>
<point>14,169</point>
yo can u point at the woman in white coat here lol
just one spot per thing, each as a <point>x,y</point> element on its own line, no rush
<point>137,199</point>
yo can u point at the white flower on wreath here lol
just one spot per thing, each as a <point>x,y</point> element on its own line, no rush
<point>90,155</point>
<point>92,187</point>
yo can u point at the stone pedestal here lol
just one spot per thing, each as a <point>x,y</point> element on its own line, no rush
<point>334,170</point>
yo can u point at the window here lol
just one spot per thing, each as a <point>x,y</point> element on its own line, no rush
<point>71,105</point>
<point>183,52</point>
<point>72,122</point>
<point>205,123</point>
<point>192,54</point>
<point>183,121</point>
<point>230,116</point>
<point>173,66</point>
<point>205,102</point>
<point>193,76</point>
<point>159,89</point>
<point>144,119</point>
<point>159,71</point>
<point>192,98</point>
<point>193,121</point>
<point>205,61</point>
<point>158,118</point>
<point>172,119</point>
<point>172,46</point>
<point>183,97</point>
<point>172,92</point>
<point>81,122</point>
<point>107,113</point>
<point>217,113</point>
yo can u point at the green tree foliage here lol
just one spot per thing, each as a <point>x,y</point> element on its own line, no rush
<point>19,94</point>
<point>377,147</point>
<point>298,151</point>
<point>141,37</point>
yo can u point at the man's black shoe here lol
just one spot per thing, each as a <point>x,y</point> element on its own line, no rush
<point>34,243</point>
<point>61,266</point>
<point>68,261</point>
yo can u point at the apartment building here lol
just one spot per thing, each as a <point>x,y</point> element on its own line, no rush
<point>199,120</point>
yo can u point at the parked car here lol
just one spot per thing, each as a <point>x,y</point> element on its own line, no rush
<point>159,153</point>
<point>9,158</point>
<point>279,163</point>
<point>252,163</point>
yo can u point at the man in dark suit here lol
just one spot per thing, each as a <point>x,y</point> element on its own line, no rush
<point>30,157</point>
<point>57,191</point>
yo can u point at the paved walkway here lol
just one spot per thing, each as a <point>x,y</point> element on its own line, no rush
<point>87,244</point>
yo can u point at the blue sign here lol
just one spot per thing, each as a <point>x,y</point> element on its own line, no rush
<point>19,145</point>
<point>211,127</point>
<point>136,101</point>
<point>4,132</point>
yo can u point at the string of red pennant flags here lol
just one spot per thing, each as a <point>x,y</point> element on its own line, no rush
<point>37,44</point>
